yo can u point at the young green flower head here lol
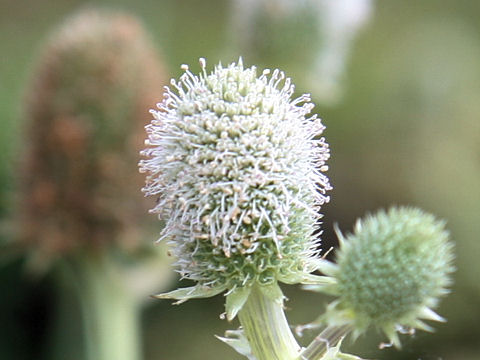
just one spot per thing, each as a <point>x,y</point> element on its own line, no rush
<point>237,167</point>
<point>390,272</point>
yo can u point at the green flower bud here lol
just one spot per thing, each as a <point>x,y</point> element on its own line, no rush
<point>85,114</point>
<point>390,272</point>
<point>237,168</point>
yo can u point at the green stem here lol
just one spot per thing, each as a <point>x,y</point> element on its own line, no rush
<point>67,328</point>
<point>109,311</point>
<point>327,339</point>
<point>266,328</point>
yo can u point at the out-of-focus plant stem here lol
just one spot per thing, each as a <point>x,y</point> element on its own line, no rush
<point>109,311</point>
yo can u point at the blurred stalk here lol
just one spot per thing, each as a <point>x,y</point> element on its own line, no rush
<point>110,312</point>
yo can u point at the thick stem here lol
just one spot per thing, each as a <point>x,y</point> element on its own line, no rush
<point>109,311</point>
<point>267,329</point>
<point>67,326</point>
<point>327,339</point>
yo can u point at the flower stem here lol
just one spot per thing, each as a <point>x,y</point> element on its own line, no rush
<point>327,339</point>
<point>266,328</point>
<point>109,311</point>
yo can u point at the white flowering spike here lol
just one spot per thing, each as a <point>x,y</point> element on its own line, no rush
<point>237,167</point>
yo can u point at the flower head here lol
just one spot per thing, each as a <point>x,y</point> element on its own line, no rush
<point>237,167</point>
<point>390,272</point>
<point>85,115</point>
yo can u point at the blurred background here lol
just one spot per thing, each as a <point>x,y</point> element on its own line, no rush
<point>397,83</point>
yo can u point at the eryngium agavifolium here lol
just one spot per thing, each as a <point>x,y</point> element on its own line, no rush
<point>237,167</point>
<point>390,272</point>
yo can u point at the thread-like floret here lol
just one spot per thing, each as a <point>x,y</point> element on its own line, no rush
<point>391,271</point>
<point>237,167</point>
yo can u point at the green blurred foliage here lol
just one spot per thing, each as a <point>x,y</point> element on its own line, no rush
<point>406,132</point>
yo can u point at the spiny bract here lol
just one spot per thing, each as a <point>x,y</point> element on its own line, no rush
<point>391,271</point>
<point>237,168</point>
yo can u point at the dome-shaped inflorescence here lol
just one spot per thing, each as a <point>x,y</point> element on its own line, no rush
<point>391,271</point>
<point>237,167</point>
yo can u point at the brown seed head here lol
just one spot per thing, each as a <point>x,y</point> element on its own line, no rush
<point>85,112</point>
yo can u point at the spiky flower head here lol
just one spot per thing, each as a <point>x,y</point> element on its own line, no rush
<point>237,167</point>
<point>85,113</point>
<point>390,272</point>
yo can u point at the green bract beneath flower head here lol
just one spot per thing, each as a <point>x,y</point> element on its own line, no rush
<point>237,167</point>
<point>391,271</point>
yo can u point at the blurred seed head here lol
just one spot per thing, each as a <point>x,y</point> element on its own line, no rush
<point>84,113</point>
<point>237,167</point>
